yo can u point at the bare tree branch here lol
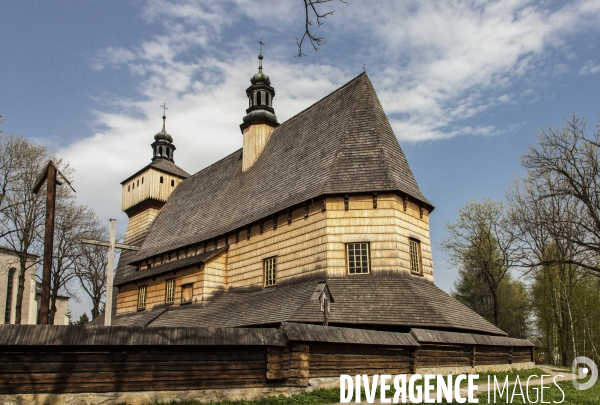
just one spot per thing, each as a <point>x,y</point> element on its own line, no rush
<point>311,8</point>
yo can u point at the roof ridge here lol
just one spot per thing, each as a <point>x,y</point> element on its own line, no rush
<point>322,99</point>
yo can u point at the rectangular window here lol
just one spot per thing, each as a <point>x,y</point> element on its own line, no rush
<point>415,256</point>
<point>142,297</point>
<point>170,291</point>
<point>270,271</point>
<point>9,294</point>
<point>358,258</point>
<point>187,293</point>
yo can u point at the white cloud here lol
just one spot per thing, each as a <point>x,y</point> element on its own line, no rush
<point>590,68</point>
<point>435,66</point>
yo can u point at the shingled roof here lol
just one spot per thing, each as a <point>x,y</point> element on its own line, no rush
<point>341,144</point>
<point>359,300</point>
<point>162,165</point>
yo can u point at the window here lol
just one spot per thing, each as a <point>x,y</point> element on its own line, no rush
<point>9,294</point>
<point>187,293</point>
<point>270,271</point>
<point>415,256</point>
<point>358,258</point>
<point>161,179</point>
<point>129,187</point>
<point>142,297</point>
<point>170,291</point>
<point>142,180</point>
<point>172,183</point>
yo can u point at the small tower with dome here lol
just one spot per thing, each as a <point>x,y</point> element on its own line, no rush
<point>146,192</point>
<point>260,118</point>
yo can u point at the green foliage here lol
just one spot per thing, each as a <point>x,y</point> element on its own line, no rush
<point>322,396</point>
<point>554,395</point>
<point>83,319</point>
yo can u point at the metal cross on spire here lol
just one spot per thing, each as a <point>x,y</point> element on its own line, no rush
<point>260,57</point>
<point>261,45</point>
<point>165,108</point>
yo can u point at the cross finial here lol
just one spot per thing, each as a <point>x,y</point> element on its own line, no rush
<point>260,57</point>
<point>165,108</point>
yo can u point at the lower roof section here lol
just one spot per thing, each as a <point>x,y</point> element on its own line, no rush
<point>361,301</point>
<point>50,335</point>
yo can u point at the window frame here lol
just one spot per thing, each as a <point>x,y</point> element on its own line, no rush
<point>419,254</point>
<point>347,247</point>
<point>145,296</point>
<point>274,278</point>
<point>183,288</point>
<point>172,295</point>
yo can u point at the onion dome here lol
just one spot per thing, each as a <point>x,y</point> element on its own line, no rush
<point>162,147</point>
<point>260,99</point>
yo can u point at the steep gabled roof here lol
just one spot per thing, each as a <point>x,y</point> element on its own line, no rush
<point>342,144</point>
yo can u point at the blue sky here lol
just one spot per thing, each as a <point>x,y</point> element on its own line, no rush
<point>465,84</point>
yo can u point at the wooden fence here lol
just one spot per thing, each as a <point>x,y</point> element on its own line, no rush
<point>53,359</point>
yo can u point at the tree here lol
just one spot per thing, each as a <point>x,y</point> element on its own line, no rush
<point>311,7</point>
<point>22,214</point>
<point>554,215</point>
<point>90,267</point>
<point>564,182</point>
<point>83,319</point>
<point>482,244</point>
<point>73,221</point>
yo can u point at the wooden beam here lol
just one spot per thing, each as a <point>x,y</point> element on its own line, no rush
<point>50,176</point>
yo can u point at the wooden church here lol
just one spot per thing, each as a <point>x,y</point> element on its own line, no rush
<point>325,197</point>
<point>315,221</point>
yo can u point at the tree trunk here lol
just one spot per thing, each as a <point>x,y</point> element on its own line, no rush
<point>496,307</point>
<point>20,288</point>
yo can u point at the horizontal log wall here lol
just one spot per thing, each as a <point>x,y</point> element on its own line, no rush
<point>47,370</point>
<point>56,369</point>
<point>330,360</point>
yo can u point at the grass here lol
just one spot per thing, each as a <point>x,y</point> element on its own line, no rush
<point>331,396</point>
<point>554,395</point>
<point>322,396</point>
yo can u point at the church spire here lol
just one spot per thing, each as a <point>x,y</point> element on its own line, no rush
<point>163,147</point>
<point>260,98</point>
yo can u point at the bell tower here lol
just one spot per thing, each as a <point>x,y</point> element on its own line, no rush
<point>146,192</point>
<point>260,119</point>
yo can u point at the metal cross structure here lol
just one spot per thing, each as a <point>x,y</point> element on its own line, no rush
<point>110,266</point>
<point>261,45</point>
<point>165,108</point>
<point>49,176</point>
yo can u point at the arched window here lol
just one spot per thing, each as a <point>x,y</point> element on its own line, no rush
<point>160,150</point>
<point>133,185</point>
<point>161,179</point>
<point>138,183</point>
<point>172,183</point>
